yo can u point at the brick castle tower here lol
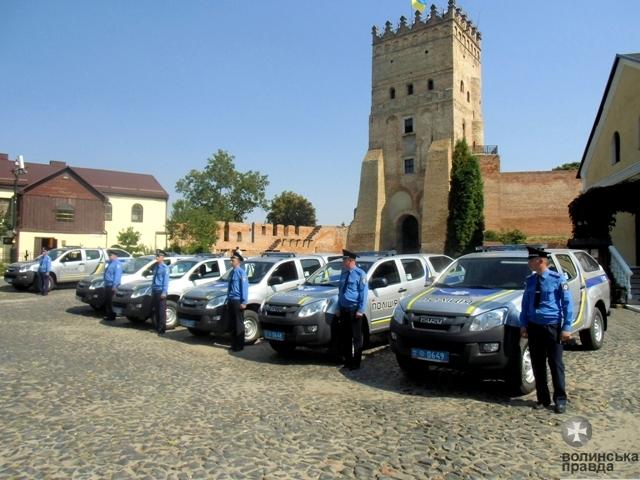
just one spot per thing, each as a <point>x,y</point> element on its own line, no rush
<point>425,95</point>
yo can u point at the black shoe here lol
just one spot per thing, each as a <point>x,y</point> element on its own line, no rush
<point>354,367</point>
<point>161,333</point>
<point>560,408</point>
<point>540,406</point>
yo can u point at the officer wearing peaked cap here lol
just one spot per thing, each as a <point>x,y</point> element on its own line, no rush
<point>546,316</point>
<point>237,297</point>
<point>352,298</point>
<point>159,291</point>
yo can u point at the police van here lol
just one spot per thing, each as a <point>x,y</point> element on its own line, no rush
<point>469,317</point>
<point>303,317</point>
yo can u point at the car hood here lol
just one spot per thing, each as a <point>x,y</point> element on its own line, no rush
<point>461,301</point>
<point>23,264</point>
<point>209,290</point>
<point>137,284</point>
<point>303,295</point>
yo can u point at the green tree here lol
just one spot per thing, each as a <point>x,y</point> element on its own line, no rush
<point>195,226</point>
<point>508,237</point>
<point>128,239</point>
<point>290,208</point>
<point>568,166</point>
<point>465,224</point>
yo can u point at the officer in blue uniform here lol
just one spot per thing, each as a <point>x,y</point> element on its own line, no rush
<point>159,290</point>
<point>547,313</point>
<point>112,277</point>
<point>352,298</point>
<point>237,297</point>
<point>44,268</point>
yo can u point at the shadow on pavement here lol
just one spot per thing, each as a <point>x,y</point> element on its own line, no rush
<point>84,311</point>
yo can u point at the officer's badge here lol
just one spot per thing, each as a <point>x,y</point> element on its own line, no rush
<point>565,286</point>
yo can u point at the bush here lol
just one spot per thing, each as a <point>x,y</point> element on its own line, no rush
<point>3,268</point>
<point>508,237</point>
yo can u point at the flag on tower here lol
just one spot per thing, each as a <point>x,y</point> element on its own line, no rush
<point>419,5</point>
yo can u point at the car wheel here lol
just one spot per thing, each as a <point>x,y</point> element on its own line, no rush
<point>172,314</point>
<point>519,374</point>
<point>412,368</point>
<point>284,349</point>
<point>251,327</point>
<point>593,337</point>
<point>197,332</point>
<point>135,319</point>
<point>52,282</point>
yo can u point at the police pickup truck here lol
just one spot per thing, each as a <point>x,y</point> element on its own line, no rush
<point>303,317</point>
<point>133,300</point>
<point>469,317</point>
<point>200,309</point>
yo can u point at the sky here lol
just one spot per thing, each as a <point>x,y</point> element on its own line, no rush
<point>157,86</point>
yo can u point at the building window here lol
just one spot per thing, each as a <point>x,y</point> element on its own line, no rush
<point>136,213</point>
<point>410,89</point>
<point>408,125</point>
<point>65,213</point>
<point>468,97</point>
<point>461,86</point>
<point>464,129</point>
<point>264,230</point>
<point>408,166</point>
<point>392,93</point>
<point>430,84</point>
<point>615,148</point>
<point>239,236</point>
<point>108,212</point>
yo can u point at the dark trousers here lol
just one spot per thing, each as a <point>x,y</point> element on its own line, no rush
<point>236,324</point>
<point>108,302</point>
<point>43,282</point>
<point>351,337</point>
<point>159,307</point>
<point>545,346</point>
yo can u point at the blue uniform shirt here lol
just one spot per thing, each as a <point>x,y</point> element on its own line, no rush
<point>353,289</point>
<point>238,286</point>
<point>113,274</point>
<point>160,282</point>
<point>556,304</point>
<point>44,265</point>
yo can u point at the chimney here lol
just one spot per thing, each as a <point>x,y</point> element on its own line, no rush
<point>57,163</point>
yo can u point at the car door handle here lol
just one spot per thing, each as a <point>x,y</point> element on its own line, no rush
<point>81,264</point>
<point>402,290</point>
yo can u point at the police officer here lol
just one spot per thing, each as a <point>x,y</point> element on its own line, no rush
<point>237,297</point>
<point>44,268</point>
<point>547,313</point>
<point>159,289</point>
<point>112,276</point>
<point>352,298</point>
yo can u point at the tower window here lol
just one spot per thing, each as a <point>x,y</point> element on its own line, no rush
<point>408,166</point>
<point>461,86</point>
<point>410,89</point>
<point>392,93</point>
<point>430,84</point>
<point>408,125</point>
<point>468,97</point>
<point>615,148</point>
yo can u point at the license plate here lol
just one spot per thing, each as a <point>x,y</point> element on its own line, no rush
<point>273,335</point>
<point>430,355</point>
<point>187,323</point>
<point>117,310</point>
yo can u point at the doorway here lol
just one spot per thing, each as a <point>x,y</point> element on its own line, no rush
<point>408,235</point>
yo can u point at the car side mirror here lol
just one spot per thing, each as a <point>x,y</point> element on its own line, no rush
<point>378,283</point>
<point>194,276</point>
<point>275,280</point>
<point>429,281</point>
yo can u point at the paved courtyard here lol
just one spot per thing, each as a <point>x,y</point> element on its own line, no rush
<point>80,398</point>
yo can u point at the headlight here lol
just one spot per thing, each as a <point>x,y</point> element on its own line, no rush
<point>96,284</point>
<point>34,268</point>
<point>141,292</point>
<point>398,314</point>
<point>488,320</point>
<point>216,302</point>
<point>313,308</point>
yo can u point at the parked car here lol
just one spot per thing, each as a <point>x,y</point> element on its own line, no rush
<point>469,317</point>
<point>90,289</point>
<point>200,309</point>
<point>303,317</point>
<point>133,299</point>
<point>68,265</point>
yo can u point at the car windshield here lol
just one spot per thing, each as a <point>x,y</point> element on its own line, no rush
<point>330,273</point>
<point>178,269</point>
<point>255,271</point>
<point>55,253</point>
<point>488,272</point>
<point>135,264</point>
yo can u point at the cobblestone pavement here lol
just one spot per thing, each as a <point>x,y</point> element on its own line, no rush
<point>80,398</point>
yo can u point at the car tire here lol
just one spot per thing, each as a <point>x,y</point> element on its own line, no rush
<point>593,337</point>
<point>196,332</point>
<point>412,368</point>
<point>172,314</point>
<point>519,373</point>
<point>135,319</point>
<point>284,349</point>
<point>251,327</point>
<point>52,282</point>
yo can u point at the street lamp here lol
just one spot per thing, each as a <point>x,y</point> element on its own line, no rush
<point>18,169</point>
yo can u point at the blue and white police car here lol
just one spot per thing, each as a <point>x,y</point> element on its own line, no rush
<point>469,317</point>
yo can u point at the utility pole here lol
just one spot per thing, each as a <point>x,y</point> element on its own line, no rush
<point>17,170</point>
